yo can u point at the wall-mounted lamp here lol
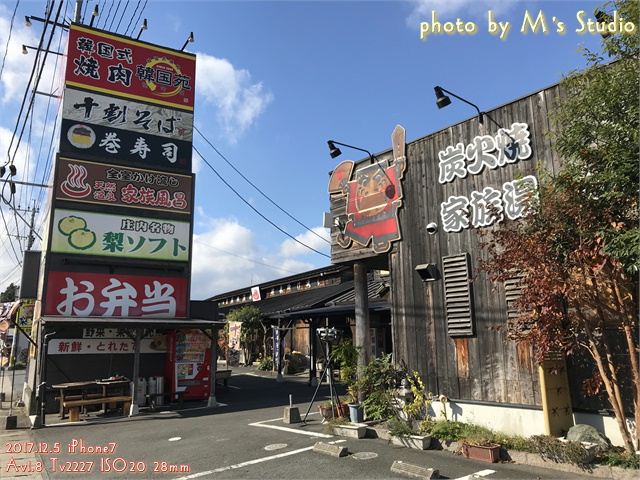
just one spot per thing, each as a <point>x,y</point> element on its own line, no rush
<point>442,101</point>
<point>190,39</point>
<point>94,14</point>
<point>334,151</point>
<point>511,150</point>
<point>143,27</point>
<point>27,21</point>
<point>25,51</point>
<point>428,272</point>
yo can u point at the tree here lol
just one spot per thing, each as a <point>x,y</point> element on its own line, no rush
<point>577,252</point>
<point>9,295</point>
<point>252,328</point>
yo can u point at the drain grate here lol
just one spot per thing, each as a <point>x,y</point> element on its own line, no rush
<point>364,455</point>
<point>275,446</point>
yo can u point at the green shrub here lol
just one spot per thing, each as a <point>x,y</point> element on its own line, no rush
<point>266,364</point>
<point>399,427</point>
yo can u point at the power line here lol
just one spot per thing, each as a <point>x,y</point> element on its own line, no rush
<point>254,186</point>
<point>245,258</point>
<point>9,37</point>
<point>254,209</point>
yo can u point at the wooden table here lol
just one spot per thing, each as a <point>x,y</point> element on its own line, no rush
<point>74,389</point>
<point>102,388</point>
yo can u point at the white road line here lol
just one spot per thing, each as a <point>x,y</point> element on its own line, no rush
<point>244,464</point>
<point>287,429</point>
<point>481,473</point>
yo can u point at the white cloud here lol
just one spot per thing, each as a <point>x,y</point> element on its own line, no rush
<point>227,256</point>
<point>467,10</point>
<point>238,99</point>
<point>291,248</point>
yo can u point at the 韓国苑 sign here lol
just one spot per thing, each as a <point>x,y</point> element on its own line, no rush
<point>75,294</point>
<point>104,184</point>
<point>119,236</point>
<point>111,64</point>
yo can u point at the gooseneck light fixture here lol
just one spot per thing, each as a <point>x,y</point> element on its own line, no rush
<point>25,50</point>
<point>511,150</point>
<point>190,39</point>
<point>142,28</point>
<point>442,101</point>
<point>334,151</point>
<point>94,14</point>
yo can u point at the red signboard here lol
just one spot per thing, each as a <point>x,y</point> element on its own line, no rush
<point>73,294</point>
<point>104,184</point>
<point>112,64</point>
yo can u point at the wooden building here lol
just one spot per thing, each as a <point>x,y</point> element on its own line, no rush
<point>416,210</point>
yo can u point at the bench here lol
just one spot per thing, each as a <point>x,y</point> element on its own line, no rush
<point>223,375</point>
<point>74,405</point>
<point>151,398</point>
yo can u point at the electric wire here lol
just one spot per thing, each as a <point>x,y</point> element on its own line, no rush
<point>254,186</point>
<point>6,50</point>
<point>131,20</point>
<point>245,258</point>
<point>31,102</point>
<point>254,209</point>
<point>122,16</point>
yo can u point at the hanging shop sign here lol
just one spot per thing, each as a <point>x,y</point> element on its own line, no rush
<point>25,314</point>
<point>104,184</point>
<point>111,64</point>
<point>74,294</point>
<point>485,207</point>
<point>85,346</point>
<point>80,139</point>
<point>81,106</point>
<point>125,236</point>
<point>373,196</point>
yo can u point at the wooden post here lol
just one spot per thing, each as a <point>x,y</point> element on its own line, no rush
<point>556,398</point>
<point>362,315</point>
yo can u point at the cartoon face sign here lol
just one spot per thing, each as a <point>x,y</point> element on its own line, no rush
<point>373,195</point>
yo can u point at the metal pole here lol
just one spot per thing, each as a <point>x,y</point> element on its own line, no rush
<point>212,402</point>
<point>136,372</point>
<point>362,315</point>
<point>78,11</point>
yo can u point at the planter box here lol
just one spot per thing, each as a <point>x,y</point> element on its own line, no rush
<point>489,454</point>
<point>351,431</point>
<point>418,442</point>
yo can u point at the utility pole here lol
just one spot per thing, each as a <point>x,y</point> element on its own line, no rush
<point>31,238</point>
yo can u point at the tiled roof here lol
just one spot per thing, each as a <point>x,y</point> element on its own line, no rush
<point>298,300</point>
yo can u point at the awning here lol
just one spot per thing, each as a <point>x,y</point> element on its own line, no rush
<point>165,323</point>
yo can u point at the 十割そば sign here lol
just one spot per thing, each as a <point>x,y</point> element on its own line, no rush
<point>82,106</point>
<point>76,294</point>
<point>111,64</point>
<point>105,184</point>
<point>113,235</point>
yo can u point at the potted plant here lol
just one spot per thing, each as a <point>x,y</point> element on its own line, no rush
<point>480,449</point>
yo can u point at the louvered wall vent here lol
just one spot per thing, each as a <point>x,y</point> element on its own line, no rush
<point>458,295</point>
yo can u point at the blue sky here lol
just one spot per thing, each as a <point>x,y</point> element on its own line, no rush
<point>276,80</point>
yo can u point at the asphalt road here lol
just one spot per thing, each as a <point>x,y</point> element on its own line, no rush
<point>244,438</point>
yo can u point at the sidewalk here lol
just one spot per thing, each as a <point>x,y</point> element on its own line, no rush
<point>18,459</point>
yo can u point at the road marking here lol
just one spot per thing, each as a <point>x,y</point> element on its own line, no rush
<point>481,473</point>
<point>245,464</point>
<point>287,429</point>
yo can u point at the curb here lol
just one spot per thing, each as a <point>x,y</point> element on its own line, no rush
<point>524,458</point>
